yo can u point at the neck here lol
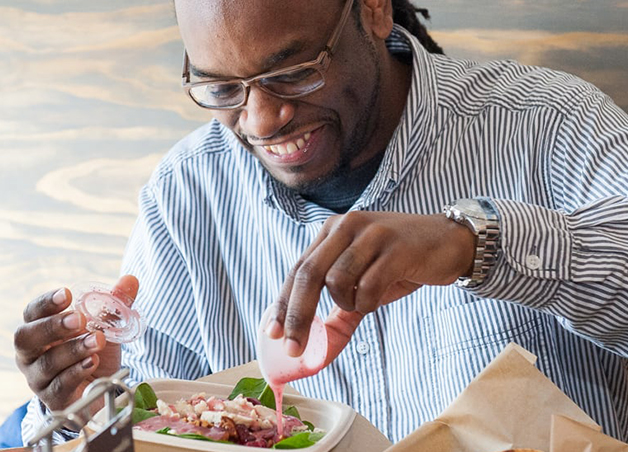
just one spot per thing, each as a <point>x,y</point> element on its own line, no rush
<point>340,192</point>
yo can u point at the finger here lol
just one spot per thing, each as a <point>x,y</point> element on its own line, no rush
<point>68,385</point>
<point>383,282</point>
<point>63,356</point>
<point>307,284</point>
<point>47,304</point>
<point>33,339</point>
<point>344,276</point>
<point>340,326</point>
<point>127,285</point>
<point>275,326</point>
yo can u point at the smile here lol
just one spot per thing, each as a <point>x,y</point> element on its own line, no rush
<point>289,147</point>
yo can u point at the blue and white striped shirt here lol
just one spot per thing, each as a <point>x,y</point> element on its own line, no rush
<point>216,236</point>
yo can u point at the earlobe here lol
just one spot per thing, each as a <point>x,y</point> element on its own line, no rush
<point>377,15</point>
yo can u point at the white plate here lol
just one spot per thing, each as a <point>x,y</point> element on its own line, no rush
<point>332,417</point>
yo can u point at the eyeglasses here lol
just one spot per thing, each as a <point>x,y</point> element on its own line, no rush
<point>288,83</point>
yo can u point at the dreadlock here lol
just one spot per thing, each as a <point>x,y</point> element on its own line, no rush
<point>405,14</point>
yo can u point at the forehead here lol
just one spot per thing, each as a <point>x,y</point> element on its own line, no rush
<point>236,36</point>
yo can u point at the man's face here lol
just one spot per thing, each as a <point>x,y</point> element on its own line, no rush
<point>303,141</point>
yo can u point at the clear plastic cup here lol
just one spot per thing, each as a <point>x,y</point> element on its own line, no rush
<point>108,310</point>
<point>277,366</point>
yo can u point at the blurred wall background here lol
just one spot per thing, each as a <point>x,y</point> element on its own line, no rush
<point>90,101</point>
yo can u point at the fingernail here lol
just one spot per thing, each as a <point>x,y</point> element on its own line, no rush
<point>72,321</point>
<point>293,348</point>
<point>59,297</point>
<point>273,329</point>
<point>87,363</point>
<point>90,341</point>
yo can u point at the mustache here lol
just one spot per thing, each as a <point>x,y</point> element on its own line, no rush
<point>290,129</point>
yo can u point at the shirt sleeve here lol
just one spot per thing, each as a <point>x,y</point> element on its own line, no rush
<point>571,260</point>
<point>170,347</point>
<point>36,419</point>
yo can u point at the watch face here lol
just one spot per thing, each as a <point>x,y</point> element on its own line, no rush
<point>477,208</point>
<point>471,207</point>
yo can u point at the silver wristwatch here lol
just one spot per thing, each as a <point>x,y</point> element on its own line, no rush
<point>481,218</point>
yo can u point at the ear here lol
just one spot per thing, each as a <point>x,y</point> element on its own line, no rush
<point>378,17</point>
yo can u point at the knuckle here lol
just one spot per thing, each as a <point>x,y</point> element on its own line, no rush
<point>344,224</point>
<point>331,222</point>
<point>20,339</point>
<point>45,364</point>
<point>32,309</point>
<point>307,273</point>
<point>55,389</point>
<point>351,262</point>
<point>295,322</point>
<point>378,231</point>
<point>338,281</point>
<point>281,305</point>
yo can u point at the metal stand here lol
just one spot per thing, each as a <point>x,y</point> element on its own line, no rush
<point>114,428</point>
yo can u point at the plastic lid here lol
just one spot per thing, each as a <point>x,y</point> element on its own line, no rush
<point>108,311</point>
<point>277,366</point>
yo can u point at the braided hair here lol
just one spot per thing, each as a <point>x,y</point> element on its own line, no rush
<point>405,14</point>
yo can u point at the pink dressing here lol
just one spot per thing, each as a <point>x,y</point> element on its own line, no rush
<point>278,368</point>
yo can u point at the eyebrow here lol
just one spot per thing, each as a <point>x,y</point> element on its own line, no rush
<point>272,60</point>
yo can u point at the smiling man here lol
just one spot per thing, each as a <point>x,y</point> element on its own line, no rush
<point>432,210</point>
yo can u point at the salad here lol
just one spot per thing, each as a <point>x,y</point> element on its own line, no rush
<point>247,417</point>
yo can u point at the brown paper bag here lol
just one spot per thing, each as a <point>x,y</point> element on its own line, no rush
<point>509,405</point>
<point>570,436</point>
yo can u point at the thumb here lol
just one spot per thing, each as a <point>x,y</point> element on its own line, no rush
<point>340,326</point>
<point>128,286</point>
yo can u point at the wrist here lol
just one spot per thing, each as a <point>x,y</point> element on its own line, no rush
<point>463,242</point>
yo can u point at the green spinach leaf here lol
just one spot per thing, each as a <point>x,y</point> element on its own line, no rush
<point>145,397</point>
<point>166,431</point>
<point>256,388</point>
<point>299,441</point>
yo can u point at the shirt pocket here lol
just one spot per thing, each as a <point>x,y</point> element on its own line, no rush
<point>466,338</point>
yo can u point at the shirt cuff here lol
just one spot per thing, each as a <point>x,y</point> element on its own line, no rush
<point>36,419</point>
<point>535,255</point>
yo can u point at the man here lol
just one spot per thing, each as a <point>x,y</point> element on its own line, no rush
<point>325,108</point>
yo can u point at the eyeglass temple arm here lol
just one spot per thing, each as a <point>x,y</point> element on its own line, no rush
<point>185,74</point>
<point>336,36</point>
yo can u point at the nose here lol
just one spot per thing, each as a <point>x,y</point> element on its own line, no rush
<point>264,114</point>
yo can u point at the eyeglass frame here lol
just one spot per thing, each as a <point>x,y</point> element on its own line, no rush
<point>320,64</point>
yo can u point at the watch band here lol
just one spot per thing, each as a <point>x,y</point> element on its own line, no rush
<point>481,218</point>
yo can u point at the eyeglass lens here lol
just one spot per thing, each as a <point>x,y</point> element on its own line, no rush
<point>290,84</point>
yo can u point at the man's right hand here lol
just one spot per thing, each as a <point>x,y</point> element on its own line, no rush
<point>55,352</point>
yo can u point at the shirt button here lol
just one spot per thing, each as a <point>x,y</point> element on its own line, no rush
<point>363,348</point>
<point>533,262</point>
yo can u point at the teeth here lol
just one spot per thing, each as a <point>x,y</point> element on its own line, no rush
<point>290,146</point>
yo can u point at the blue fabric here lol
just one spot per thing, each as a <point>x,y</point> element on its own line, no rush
<point>11,429</point>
